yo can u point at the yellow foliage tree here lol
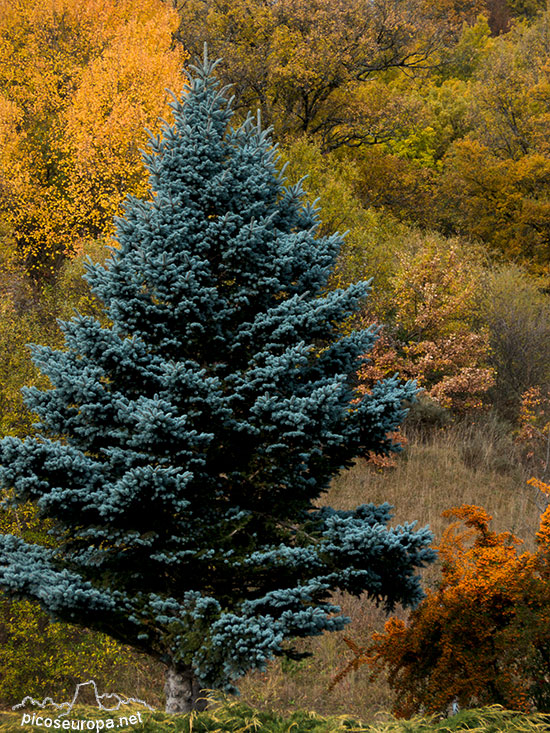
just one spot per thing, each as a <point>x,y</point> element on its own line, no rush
<point>503,202</point>
<point>496,180</point>
<point>312,65</point>
<point>79,82</point>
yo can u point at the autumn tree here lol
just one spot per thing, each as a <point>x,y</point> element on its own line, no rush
<point>482,637</point>
<point>78,84</point>
<point>526,8</point>
<point>402,173</point>
<point>433,332</point>
<point>315,67</point>
<point>496,179</point>
<point>503,203</point>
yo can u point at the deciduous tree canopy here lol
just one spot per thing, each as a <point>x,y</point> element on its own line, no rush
<point>78,84</point>
<point>311,67</point>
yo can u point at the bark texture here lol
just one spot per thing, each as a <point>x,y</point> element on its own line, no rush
<point>183,692</point>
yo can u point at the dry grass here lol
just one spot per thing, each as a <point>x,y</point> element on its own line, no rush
<point>288,686</point>
<point>455,466</point>
<point>462,464</point>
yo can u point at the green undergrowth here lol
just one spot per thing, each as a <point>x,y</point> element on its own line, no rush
<point>235,717</point>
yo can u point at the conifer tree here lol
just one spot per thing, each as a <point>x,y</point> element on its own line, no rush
<point>182,449</point>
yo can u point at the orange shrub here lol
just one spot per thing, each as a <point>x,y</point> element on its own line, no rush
<point>483,636</point>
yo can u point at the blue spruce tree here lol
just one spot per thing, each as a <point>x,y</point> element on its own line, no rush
<point>182,450</point>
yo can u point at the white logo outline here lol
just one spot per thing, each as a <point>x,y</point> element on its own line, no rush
<point>69,705</point>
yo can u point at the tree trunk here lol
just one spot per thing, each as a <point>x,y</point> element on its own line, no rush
<point>183,692</point>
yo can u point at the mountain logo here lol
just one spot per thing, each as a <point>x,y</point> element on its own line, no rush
<point>66,707</point>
